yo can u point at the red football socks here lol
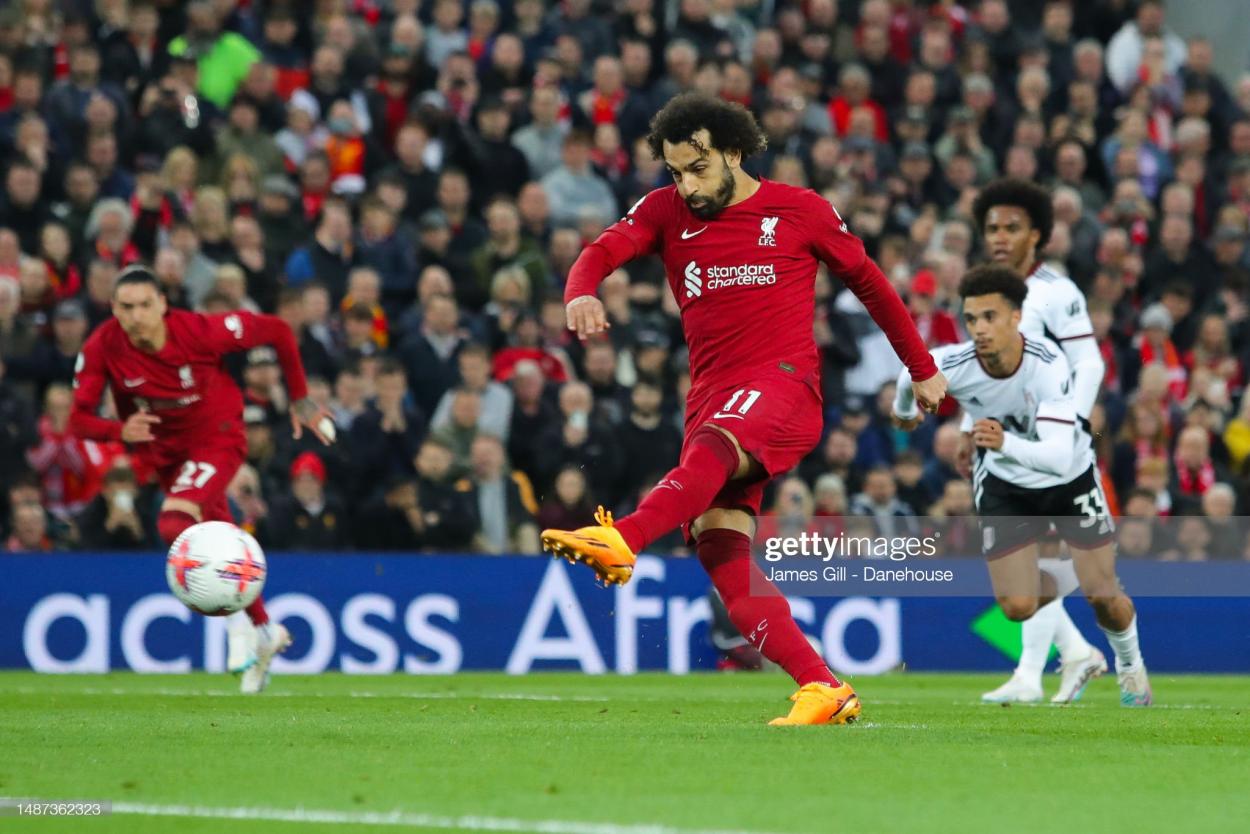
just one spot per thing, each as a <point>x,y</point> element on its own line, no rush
<point>256,612</point>
<point>708,462</point>
<point>764,619</point>
<point>171,523</point>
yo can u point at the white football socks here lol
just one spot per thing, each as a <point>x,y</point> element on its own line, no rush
<point>1063,571</point>
<point>1068,638</point>
<point>1052,624</point>
<point>1036,635</point>
<point>1124,644</point>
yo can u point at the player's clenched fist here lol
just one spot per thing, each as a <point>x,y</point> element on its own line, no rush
<point>987,434</point>
<point>930,392</point>
<point>586,316</point>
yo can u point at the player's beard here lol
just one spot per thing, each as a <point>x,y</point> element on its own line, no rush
<point>705,208</point>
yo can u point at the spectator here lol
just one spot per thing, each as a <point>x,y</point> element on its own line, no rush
<point>67,101</point>
<point>52,361</point>
<point>392,520</point>
<point>448,502</point>
<point>244,134</point>
<point>542,139</point>
<point>1178,255</point>
<point>577,440</point>
<point>1125,50</point>
<point>349,397</point>
<point>112,520</point>
<point>1213,353</point>
<point>248,502</point>
<point>505,247</point>
<point>30,531</point>
<point>531,415</point>
<point>17,425</point>
<point>22,206</point>
<point>429,356</point>
<point>648,442</point>
<point>329,256</point>
<point>1155,347</point>
<point>1219,505</point>
<point>505,501</point>
<point>494,398</point>
<point>942,467</point>
<point>392,258</point>
<point>102,155</point>
<point>223,58</point>
<point>460,428</point>
<point>908,473</point>
<point>499,167</point>
<point>879,502</point>
<point>569,504</point>
<point>1193,470</point>
<point>306,517</point>
<point>108,233</point>
<point>454,199</point>
<point>574,186</point>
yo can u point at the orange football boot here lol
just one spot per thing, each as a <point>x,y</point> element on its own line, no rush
<point>600,546</point>
<point>819,703</point>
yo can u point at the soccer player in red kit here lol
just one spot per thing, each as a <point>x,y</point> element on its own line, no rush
<point>182,413</point>
<point>741,256</point>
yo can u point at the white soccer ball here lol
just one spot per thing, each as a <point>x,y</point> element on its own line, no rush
<point>215,568</point>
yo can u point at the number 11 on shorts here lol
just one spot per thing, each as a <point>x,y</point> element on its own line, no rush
<point>728,407</point>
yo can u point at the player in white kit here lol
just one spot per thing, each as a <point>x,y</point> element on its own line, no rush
<point>1015,217</point>
<point>1034,468</point>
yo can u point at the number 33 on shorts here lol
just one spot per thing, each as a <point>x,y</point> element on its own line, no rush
<point>193,475</point>
<point>728,412</point>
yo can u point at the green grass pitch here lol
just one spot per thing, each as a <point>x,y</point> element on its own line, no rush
<point>651,754</point>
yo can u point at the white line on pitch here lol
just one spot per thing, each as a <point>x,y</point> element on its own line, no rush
<point>401,819</point>
<point>225,693</point>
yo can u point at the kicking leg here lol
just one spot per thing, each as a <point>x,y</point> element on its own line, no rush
<point>710,459</point>
<point>1118,620</point>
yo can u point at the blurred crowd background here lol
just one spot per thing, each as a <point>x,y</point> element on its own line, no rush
<point>407,182</point>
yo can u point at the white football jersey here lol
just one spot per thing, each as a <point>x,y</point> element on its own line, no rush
<point>1039,389</point>
<point>1054,307</point>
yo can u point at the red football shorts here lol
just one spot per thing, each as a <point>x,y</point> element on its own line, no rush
<point>776,419</point>
<point>199,473</point>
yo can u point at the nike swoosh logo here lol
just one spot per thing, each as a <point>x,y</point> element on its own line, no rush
<point>133,383</point>
<point>718,415</point>
<point>686,234</point>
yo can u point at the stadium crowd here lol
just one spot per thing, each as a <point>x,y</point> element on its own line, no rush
<point>407,182</point>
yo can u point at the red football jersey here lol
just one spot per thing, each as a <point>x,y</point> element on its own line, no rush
<point>185,383</point>
<point>746,281</point>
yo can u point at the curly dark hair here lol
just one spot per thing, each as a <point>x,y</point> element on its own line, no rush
<point>989,279</point>
<point>731,125</point>
<point>1024,194</point>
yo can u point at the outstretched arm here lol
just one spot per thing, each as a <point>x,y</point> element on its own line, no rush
<point>637,233</point>
<point>844,253</point>
<point>240,330</point>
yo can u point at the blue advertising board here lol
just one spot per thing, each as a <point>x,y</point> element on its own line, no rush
<point>420,614</point>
